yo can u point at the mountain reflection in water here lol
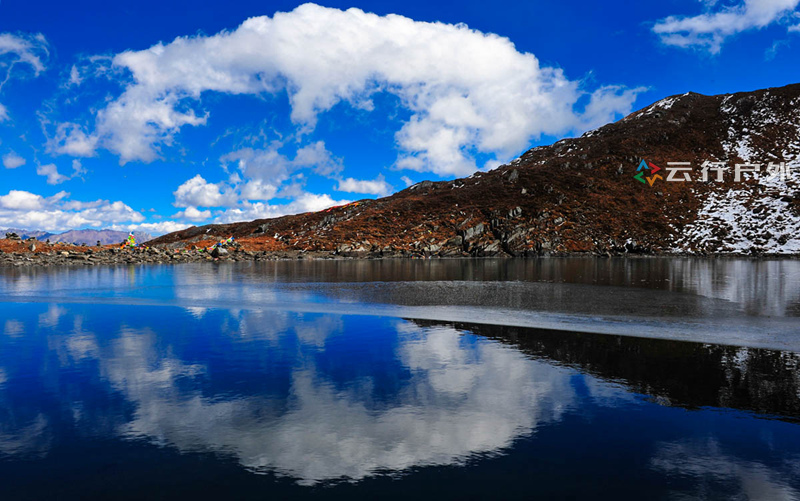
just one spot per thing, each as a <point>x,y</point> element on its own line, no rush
<point>314,398</point>
<point>754,303</point>
<point>400,379</point>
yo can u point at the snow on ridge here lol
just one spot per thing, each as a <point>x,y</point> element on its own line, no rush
<point>746,219</point>
<point>666,103</point>
<point>742,127</point>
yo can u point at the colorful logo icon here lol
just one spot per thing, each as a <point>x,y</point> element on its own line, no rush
<point>647,166</point>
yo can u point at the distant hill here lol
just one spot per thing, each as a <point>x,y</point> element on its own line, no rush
<point>92,236</point>
<point>41,235</point>
<point>612,190</point>
<point>88,236</point>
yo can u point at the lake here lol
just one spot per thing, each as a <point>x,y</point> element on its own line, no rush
<point>671,378</point>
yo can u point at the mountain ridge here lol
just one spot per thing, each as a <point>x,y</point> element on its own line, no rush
<point>580,195</point>
<point>86,235</point>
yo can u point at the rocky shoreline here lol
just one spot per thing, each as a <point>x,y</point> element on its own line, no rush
<point>75,255</point>
<point>87,256</point>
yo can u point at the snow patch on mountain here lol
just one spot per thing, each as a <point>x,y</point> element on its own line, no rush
<point>756,217</point>
<point>759,215</point>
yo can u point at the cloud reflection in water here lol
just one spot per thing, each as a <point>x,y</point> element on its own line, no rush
<point>317,397</point>
<point>462,399</point>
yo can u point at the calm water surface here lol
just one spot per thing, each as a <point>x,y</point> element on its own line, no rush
<point>551,379</point>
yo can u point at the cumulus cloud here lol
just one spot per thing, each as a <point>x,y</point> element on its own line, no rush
<point>258,190</point>
<point>55,177</point>
<point>77,168</point>
<point>71,139</point>
<point>244,201</point>
<point>710,30</point>
<point>604,103</point>
<point>154,229</point>
<point>317,157</point>
<point>11,160</point>
<point>474,92</point>
<point>23,209</point>
<point>259,176</point>
<point>198,192</point>
<point>21,200</point>
<point>377,186</point>
<point>271,167</point>
<point>193,214</point>
<point>303,202</point>
<point>52,174</point>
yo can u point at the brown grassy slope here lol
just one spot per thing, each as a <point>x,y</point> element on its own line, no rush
<point>577,195</point>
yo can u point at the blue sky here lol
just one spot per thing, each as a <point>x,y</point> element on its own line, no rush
<point>159,115</point>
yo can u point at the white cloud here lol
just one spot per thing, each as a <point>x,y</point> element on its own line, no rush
<point>75,77</point>
<point>155,229</point>
<point>258,190</point>
<point>467,91</point>
<point>272,168</point>
<point>317,157</point>
<point>198,192</point>
<point>258,177</point>
<point>604,103</point>
<point>21,200</point>
<point>711,29</point>
<point>25,49</point>
<point>304,202</point>
<point>51,171</point>
<point>55,177</point>
<point>407,180</point>
<point>193,214</point>
<point>23,209</point>
<point>244,200</point>
<point>377,186</point>
<point>11,160</point>
<point>71,139</point>
<point>77,168</point>
<point>794,29</point>
<point>89,68</point>
<point>21,49</point>
<point>138,122</point>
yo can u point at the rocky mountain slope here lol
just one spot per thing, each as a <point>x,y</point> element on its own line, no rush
<point>582,195</point>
